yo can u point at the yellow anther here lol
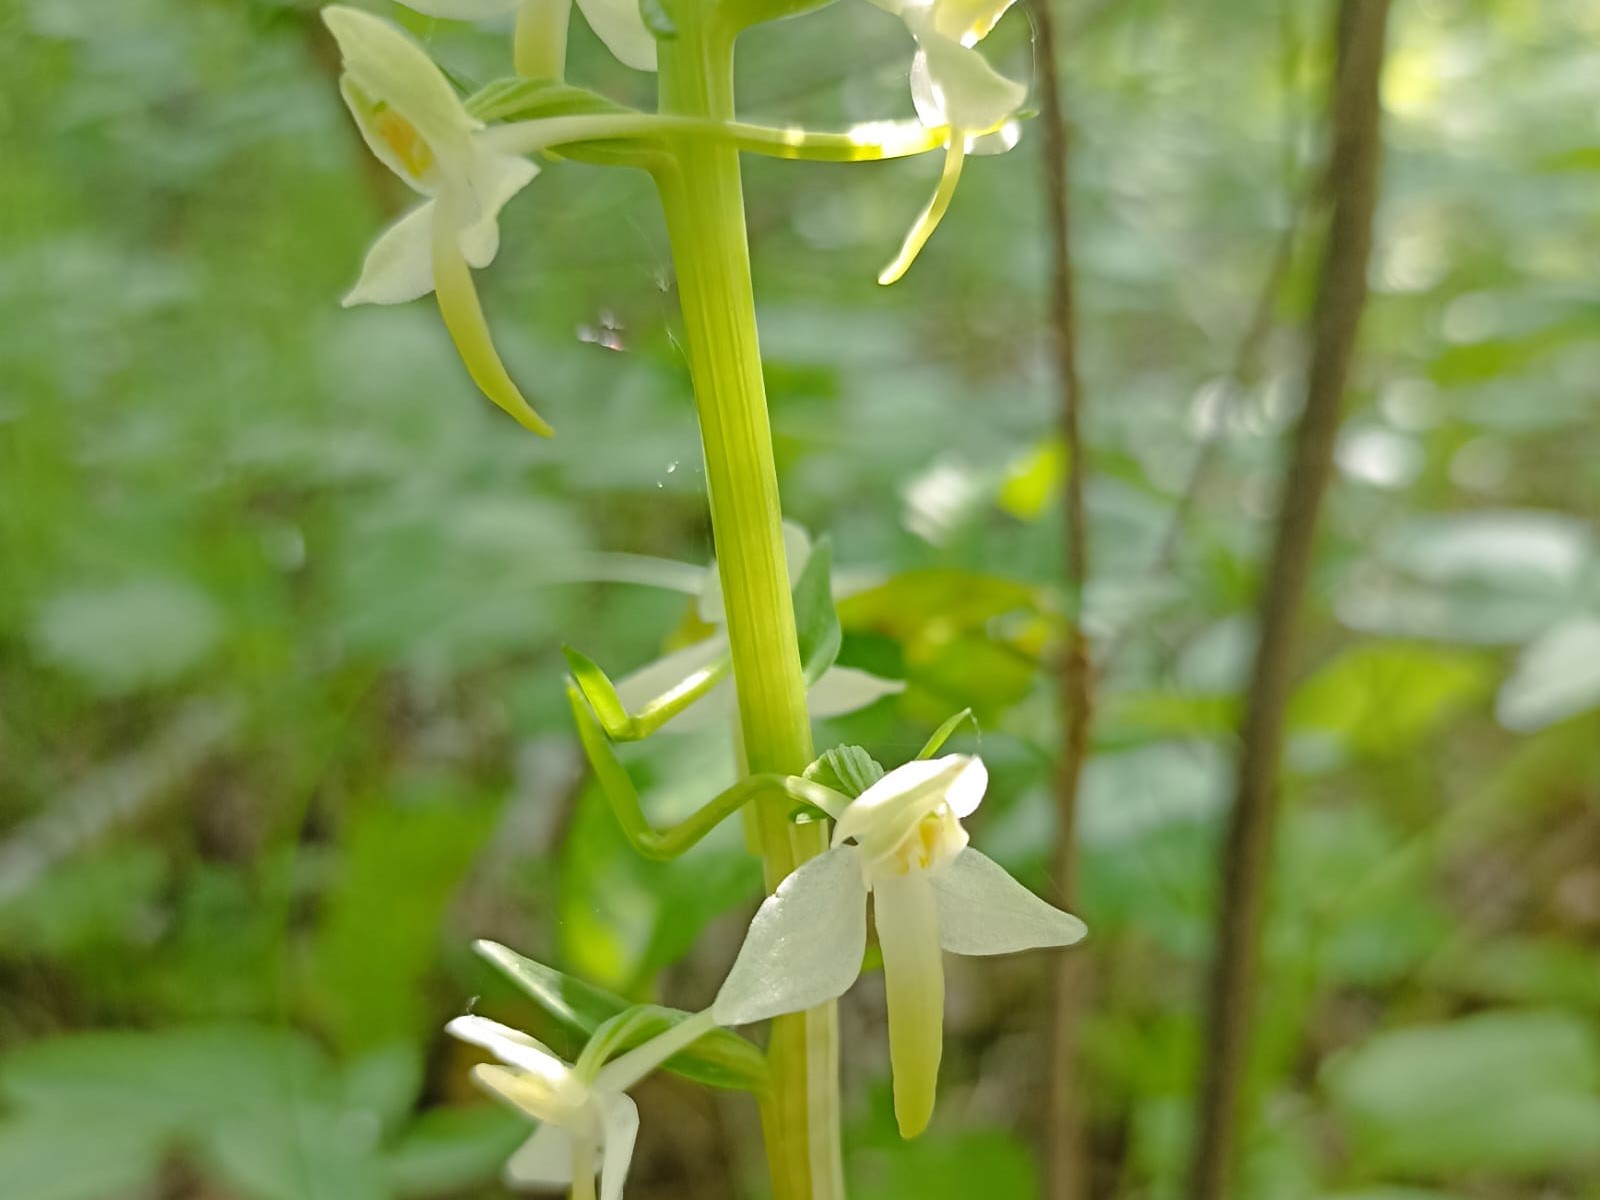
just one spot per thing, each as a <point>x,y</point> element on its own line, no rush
<point>401,136</point>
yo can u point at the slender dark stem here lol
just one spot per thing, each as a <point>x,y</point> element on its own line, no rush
<point>1352,188</point>
<point>1066,1151</point>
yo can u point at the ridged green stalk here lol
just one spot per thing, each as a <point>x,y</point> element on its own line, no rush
<point>704,203</point>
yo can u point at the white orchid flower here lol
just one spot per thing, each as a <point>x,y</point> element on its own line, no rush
<point>541,34</point>
<point>900,841</point>
<point>412,120</point>
<point>840,690</point>
<point>952,84</point>
<point>587,1121</point>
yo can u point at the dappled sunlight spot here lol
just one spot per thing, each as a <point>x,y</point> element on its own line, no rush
<point>939,500</point>
<point>1380,457</point>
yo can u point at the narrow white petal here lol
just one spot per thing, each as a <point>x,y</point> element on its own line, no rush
<point>966,791</point>
<point>618,24</point>
<point>510,1046</point>
<point>982,910</point>
<point>543,1161</point>
<point>399,266</point>
<point>913,978</point>
<point>667,672</point>
<point>805,944</point>
<point>845,690</point>
<point>622,1072</point>
<point>619,1117</point>
<point>461,10</point>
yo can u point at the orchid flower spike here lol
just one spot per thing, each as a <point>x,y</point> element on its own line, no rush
<point>412,120</point>
<point>952,84</point>
<point>587,1121</point>
<point>901,841</point>
<point>840,690</point>
<point>541,33</point>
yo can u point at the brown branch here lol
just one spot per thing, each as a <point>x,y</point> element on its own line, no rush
<point>1355,115</point>
<point>1066,1149</point>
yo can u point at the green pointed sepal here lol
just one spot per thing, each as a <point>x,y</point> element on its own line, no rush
<point>619,724</point>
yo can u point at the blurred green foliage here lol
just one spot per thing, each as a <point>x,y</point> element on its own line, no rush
<point>281,724</point>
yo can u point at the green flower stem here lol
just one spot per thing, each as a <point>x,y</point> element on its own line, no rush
<point>784,790</point>
<point>703,199</point>
<point>874,141</point>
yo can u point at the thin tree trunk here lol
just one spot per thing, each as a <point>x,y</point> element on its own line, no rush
<point>1066,1144</point>
<point>1352,189</point>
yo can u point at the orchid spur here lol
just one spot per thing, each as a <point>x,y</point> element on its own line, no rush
<point>953,86</point>
<point>588,1123</point>
<point>541,30</point>
<point>901,841</point>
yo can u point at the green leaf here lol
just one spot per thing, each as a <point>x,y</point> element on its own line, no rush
<point>453,1150</point>
<point>377,940</point>
<point>299,1152</point>
<point>848,770</point>
<point>945,732</point>
<point>720,1059</point>
<point>1032,481</point>
<point>619,724</point>
<point>167,1081</point>
<point>67,1157</point>
<point>816,619</point>
<point>955,1166</point>
<point>130,635</point>
<point>1383,697</point>
<point>1500,1091</point>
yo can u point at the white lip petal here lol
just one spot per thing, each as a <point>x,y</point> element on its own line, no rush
<point>805,944</point>
<point>845,690</point>
<point>399,266</point>
<point>982,910</point>
<point>543,1161</point>
<point>618,24</point>
<point>913,975</point>
<point>619,1117</point>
